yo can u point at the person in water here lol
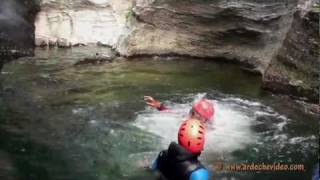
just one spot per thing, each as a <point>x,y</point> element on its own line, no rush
<point>180,161</point>
<point>202,109</point>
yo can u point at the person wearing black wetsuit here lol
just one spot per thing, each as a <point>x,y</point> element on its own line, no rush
<point>180,161</point>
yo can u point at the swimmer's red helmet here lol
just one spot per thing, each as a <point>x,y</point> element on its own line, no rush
<point>191,135</point>
<point>204,108</point>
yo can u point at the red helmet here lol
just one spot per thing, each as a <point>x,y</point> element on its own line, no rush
<point>204,108</point>
<point>191,135</point>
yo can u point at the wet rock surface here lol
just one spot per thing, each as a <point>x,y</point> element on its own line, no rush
<point>295,68</point>
<point>247,31</point>
<point>106,56</point>
<point>16,28</point>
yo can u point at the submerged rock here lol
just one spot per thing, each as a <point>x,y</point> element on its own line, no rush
<point>295,68</point>
<point>99,57</point>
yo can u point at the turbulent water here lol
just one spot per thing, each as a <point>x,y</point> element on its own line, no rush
<point>66,121</point>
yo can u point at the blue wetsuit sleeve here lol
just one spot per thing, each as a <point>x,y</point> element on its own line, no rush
<point>200,174</point>
<point>154,164</point>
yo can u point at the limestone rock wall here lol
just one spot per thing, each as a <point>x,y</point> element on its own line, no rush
<point>81,22</point>
<point>247,31</point>
<point>295,67</point>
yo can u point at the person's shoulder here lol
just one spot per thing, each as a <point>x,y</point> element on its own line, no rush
<point>200,174</point>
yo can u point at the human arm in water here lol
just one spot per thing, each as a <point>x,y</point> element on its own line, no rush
<point>155,103</point>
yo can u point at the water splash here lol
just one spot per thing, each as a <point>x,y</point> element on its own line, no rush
<point>229,131</point>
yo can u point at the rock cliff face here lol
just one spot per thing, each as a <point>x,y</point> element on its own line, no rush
<point>16,28</point>
<point>81,22</point>
<point>249,31</point>
<point>270,37</point>
<point>295,68</point>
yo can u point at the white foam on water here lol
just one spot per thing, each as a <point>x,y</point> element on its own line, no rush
<point>244,101</point>
<point>281,125</point>
<point>5,72</point>
<point>280,138</point>
<point>297,140</point>
<point>263,113</point>
<point>229,131</point>
<point>162,124</point>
